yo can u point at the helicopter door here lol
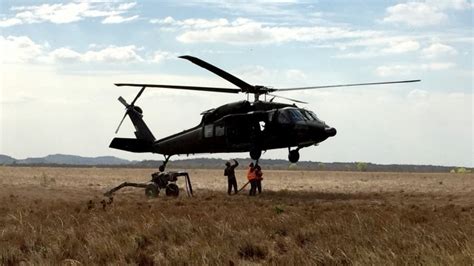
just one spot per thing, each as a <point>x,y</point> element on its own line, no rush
<point>238,130</point>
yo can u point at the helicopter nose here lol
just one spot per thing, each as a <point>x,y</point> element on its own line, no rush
<point>330,131</point>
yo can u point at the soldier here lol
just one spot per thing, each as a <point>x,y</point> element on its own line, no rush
<point>229,171</point>
<point>259,178</point>
<point>252,177</point>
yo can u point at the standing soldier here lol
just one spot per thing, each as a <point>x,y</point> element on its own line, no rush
<point>259,178</point>
<point>229,171</point>
<point>252,177</point>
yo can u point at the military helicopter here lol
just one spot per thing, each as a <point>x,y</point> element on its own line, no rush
<point>242,126</point>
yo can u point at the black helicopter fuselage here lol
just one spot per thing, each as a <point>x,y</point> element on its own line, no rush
<point>235,127</point>
<point>248,126</point>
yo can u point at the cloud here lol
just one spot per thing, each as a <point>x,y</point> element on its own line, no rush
<point>23,50</point>
<point>247,31</point>
<point>423,13</point>
<point>377,46</point>
<point>436,50</point>
<point>159,56</point>
<point>19,49</point>
<point>402,47</point>
<point>65,54</point>
<point>406,69</point>
<point>450,4</point>
<point>273,77</point>
<point>270,8</point>
<point>126,6</point>
<point>68,13</point>
<point>415,14</point>
<point>110,54</point>
<point>192,22</point>
<point>118,19</point>
<point>9,22</point>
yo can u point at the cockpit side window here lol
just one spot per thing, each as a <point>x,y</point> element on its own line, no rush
<point>283,117</point>
<point>314,116</point>
<point>271,116</point>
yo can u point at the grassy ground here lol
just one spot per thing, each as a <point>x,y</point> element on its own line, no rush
<point>58,216</point>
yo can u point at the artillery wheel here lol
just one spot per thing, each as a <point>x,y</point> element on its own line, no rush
<point>172,190</point>
<point>152,190</point>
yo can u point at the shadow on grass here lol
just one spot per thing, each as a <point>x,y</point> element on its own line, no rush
<point>286,195</point>
<point>317,195</point>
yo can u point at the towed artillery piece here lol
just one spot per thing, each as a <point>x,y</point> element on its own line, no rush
<point>159,181</point>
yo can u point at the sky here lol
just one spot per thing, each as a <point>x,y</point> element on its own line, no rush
<point>59,61</point>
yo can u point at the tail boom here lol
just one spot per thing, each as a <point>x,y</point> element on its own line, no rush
<point>132,145</point>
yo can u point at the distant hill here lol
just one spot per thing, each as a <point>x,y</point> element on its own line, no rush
<point>301,165</point>
<point>209,163</point>
<point>4,159</point>
<point>63,159</point>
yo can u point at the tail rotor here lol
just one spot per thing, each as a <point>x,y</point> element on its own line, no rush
<point>121,121</point>
<point>129,107</point>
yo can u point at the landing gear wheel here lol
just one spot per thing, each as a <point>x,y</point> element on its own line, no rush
<point>152,190</point>
<point>255,154</point>
<point>294,156</point>
<point>172,190</point>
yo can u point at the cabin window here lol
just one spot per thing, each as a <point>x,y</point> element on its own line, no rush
<point>220,130</point>
<point>209,131</point>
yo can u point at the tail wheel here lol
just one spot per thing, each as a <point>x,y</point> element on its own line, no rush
<point>294,156</point>
<point>152,190</point>
<point>172,190</point>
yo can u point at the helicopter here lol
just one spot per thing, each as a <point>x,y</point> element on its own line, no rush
<point>243,126</point>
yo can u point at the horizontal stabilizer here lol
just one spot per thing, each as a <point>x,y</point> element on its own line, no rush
<point>132,145</point>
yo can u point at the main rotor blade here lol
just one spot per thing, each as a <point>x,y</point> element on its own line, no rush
<point>122,100</point>
<point>221,73</point>
<point>194,88</point>
<point>121,121</point>
<point>277,96</point>
<point>138,95</point>
<point>347,85</point>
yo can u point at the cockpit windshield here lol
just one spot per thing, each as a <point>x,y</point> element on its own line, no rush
<point>296,115</point>
<point>290,115</point>
<point>307,115</point>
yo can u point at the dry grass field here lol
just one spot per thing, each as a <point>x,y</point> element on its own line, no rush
<point>58,216</point>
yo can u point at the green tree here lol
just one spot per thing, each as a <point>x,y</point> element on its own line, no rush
<point>361,166</point>
<point>321,166</point>
<point>460,170</point>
